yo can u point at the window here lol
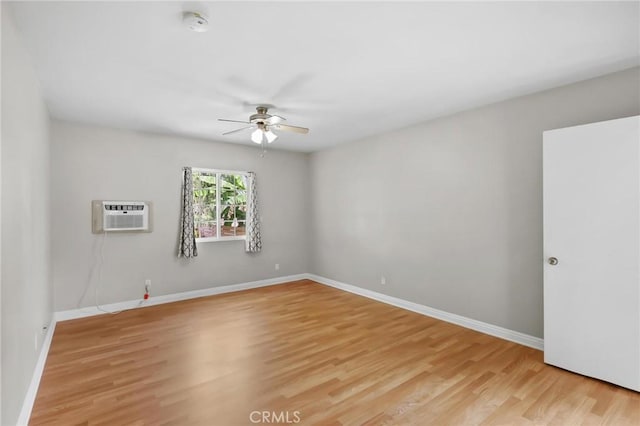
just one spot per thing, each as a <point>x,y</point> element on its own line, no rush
<point>219,205</point>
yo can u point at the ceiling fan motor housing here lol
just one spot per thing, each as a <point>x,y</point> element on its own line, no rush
<point>261,116</point>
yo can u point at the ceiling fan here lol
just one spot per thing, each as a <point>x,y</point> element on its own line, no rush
<point>264,124</point>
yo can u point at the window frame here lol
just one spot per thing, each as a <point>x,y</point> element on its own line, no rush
<point>220,172</point>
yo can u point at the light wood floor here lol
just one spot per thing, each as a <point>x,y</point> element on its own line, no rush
<point>308,352</point>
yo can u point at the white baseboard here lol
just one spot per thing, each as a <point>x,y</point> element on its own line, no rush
<point>513,336</point>
<point>157,300</point>
<point>483,327</point>
<point>32,391</point>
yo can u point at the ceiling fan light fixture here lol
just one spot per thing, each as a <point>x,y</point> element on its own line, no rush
<point>270,136</point>
<point>257,135</point>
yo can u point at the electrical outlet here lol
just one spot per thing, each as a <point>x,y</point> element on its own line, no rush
<point>277,266</point>
<point>147,285</point>
<point>383,280</point>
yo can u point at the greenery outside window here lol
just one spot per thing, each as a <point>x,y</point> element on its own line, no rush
<point>219,205</point>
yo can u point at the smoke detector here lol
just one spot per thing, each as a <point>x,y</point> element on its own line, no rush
<point>195,21</point>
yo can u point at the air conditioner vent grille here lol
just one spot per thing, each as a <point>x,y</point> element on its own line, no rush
<point>124,221</point>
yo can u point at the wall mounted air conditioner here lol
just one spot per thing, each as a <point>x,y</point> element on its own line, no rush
<point>120,216</point>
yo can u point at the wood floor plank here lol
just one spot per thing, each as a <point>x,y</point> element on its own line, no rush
<point>304,349</point>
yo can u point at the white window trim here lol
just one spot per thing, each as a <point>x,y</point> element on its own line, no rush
<point>218,210</point>
<point>216,240</point>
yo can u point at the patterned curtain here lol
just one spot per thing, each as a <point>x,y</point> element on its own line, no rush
<point>187,244</point>
<point>253,243</point>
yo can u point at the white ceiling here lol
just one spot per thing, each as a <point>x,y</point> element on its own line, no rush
<point>345,70</point>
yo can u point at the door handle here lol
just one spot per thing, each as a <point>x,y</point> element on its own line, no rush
<point>553,261</point>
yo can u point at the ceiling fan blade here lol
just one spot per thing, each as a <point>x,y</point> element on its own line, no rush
<point>289,128</point>
<point>275,119</point>
<point>233,121</point>
<point>236,130</point>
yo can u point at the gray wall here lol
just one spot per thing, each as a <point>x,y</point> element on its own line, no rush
<point>26,283</point>
<point>450,211</point>
<point>100,163</point>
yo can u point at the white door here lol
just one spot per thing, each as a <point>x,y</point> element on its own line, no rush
<point>592,229</point>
